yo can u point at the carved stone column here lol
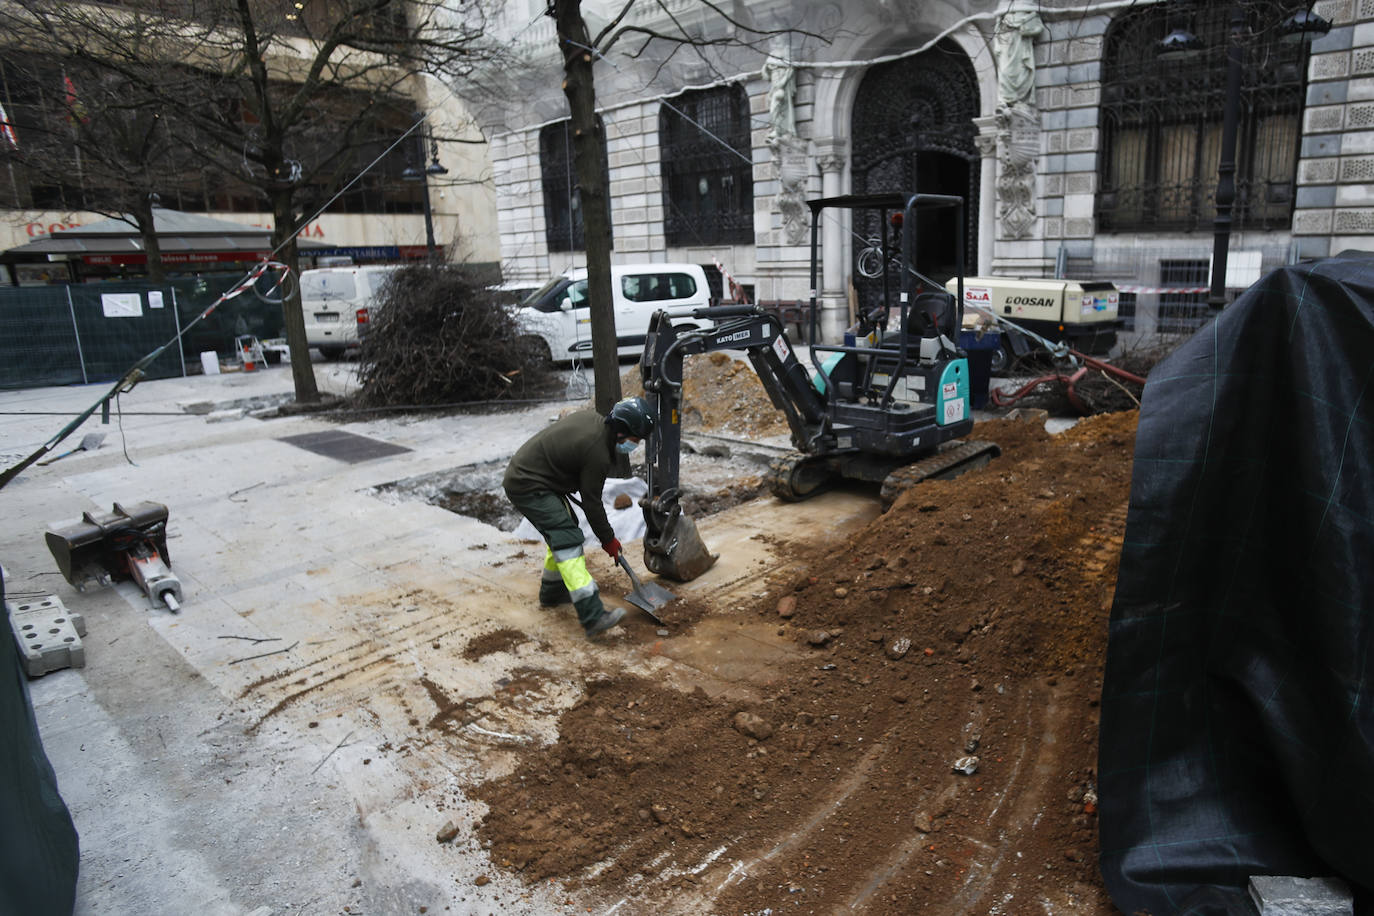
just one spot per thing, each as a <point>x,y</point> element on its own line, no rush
<point>789,153</point>
<point>1018,118</point>
<point>987,194</point>
<point>1018,136</point>
<point>831,158</point>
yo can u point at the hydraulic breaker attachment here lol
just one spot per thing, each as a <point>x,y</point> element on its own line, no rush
<point>125,544</point>
<point>672,546</point>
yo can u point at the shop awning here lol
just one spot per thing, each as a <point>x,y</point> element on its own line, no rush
<point>183,238</point>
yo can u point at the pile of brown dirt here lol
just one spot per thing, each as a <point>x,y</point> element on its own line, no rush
<point>936,751</point>
<point>720,394</point>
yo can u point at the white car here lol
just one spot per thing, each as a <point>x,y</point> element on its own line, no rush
<point>559,314</point>
<point>331,299</point>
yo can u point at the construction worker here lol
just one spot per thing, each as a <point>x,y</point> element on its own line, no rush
<point>574,455</point>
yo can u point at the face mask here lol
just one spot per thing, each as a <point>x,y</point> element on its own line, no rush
<point>626,447</point>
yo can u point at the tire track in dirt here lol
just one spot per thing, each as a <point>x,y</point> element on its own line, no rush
<point>1028,788</point>
<point>756,866</point>
<point>363,666</point>
<point>900,859</point>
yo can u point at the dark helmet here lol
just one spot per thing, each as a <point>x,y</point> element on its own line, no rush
<point>632,417</point>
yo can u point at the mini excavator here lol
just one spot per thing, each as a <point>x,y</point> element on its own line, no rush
<point>889,405</point>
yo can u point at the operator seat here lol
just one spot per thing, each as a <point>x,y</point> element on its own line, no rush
<point>933,314</point>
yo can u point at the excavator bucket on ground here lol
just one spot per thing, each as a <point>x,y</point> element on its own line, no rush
<point>675,550</point>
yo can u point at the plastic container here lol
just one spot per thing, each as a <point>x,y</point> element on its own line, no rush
<point>980,348</point>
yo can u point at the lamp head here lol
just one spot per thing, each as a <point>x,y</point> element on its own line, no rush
<point>1179,44</point>
<point>1304,26</point>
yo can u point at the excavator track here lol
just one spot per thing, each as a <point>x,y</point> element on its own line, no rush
<point>797,476</point>
<point>952,460</point>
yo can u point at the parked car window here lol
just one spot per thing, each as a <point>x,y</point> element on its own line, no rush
<point>329,285</point>
<point>681,286</point>
<point>377,279</point>
<point>578,294</point>
<point>549,296</point>
<point>654,287</point>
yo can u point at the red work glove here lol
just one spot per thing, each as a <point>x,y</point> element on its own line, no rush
<point>612,547</point>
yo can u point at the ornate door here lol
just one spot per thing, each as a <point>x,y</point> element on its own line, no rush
<point>913,130</point>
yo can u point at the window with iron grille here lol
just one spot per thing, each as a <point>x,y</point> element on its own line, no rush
<point>708,175</point>
<point>357,22</point>
<point>1182,313</point>
<point>59,112</point>
<point>562,198</point>
<point>1161,120</point>
<point>1125,310</point>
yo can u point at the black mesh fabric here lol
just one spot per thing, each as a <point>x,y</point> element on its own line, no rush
<point>38,842</point>
<point>1237,733</point>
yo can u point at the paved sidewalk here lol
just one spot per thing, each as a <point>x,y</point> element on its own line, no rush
<point>188,797</point>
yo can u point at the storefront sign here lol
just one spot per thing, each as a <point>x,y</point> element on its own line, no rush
<point>180,257</point>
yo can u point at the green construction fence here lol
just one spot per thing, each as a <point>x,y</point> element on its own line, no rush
<point>83,334</point>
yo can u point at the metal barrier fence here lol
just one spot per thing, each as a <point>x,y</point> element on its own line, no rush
<point>80,334</point>
<point>1164,289</point>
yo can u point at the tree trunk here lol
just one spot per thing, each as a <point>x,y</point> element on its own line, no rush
<point>284,231</point>
<point>143,220</point>
<point>587,144</point>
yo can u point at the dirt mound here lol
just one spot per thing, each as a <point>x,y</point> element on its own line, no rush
<point>935,753</point>
<point>720,394</point>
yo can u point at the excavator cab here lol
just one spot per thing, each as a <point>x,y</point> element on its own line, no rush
<point>887,404</point>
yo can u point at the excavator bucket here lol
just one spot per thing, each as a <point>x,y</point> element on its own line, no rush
<point>676,551</point>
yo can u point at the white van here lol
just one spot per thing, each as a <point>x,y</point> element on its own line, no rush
<point>331,298</point>
<point>559,313</point>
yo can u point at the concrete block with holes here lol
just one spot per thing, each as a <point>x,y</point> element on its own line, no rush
<point>47,634</point>
<point>1280,895</point>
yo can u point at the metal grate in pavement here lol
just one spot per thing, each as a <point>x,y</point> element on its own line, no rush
<point>342,446</point>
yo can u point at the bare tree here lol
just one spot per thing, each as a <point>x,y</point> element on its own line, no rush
<point>90,141</point>
<point>580,52</point>
<point>280,101</point>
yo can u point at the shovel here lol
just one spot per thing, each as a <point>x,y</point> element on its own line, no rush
<point>89,442</point>
<point>648,598</point>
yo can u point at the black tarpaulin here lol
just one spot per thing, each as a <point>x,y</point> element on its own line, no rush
<point>38,843</point>
<point>1237,733</point>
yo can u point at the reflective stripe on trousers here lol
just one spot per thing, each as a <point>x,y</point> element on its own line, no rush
<point>570,566</point>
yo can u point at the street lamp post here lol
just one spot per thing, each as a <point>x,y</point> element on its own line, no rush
<point>1303,25</point>
<point>1226,169</point>
<point>421,174</point>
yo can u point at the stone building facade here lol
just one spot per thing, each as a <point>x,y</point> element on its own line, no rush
<point>1001,104</point>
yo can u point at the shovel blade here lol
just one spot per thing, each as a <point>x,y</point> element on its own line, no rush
<point>644,604</point>
<point>656,595</point>
<point>678,553</point>
<point>648,598</point>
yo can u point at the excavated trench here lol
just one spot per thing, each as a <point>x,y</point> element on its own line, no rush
<point>715,476</point>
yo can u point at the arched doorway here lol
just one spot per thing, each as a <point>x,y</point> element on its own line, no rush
<point>913,130</point>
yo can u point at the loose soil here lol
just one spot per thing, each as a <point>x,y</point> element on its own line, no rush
<point>933,753</point>
<point>720,394</point>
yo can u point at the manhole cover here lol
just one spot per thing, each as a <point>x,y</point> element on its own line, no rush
<point>342,446</point>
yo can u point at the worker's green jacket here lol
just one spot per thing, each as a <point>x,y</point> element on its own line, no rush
<point>574,455</point>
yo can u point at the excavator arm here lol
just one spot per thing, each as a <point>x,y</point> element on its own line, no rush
<point>672,546</point>
<point>888,405</point>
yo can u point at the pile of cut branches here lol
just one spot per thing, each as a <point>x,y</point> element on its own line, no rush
<point>440,336</point>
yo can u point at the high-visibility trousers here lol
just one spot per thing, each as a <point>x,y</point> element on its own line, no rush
<point>564,560</point>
